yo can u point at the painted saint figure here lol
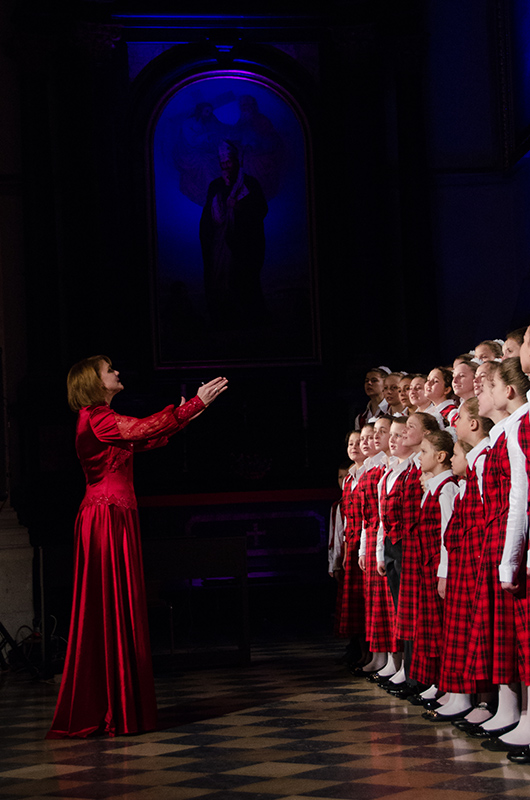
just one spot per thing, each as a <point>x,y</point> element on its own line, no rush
<point>233,244</point>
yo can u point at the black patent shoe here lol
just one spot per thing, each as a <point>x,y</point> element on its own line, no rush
<point>430,705</point>
<point>359,672</point>
<point>520,756</point>
<point>435,716</point>
<point>465,726</point>
<point>383,680</point>
<point>395,689</point>
<point>480,733</point>
<point>496,745</point>
<point>415,699</point>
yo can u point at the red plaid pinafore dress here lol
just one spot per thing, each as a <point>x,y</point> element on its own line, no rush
<point>492,653</point>
<point>410,558</point>
<point>465,545</point>
<point>427,649</point>
<point>378,602</point>
<point>394,513</point>
<point>352,611</point>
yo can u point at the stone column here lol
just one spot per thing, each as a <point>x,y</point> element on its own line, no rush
<point>16,554</point>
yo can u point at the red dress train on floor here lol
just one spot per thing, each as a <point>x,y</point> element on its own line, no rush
<point>107,686</point>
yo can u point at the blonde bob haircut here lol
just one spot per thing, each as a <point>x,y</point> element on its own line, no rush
<point>84,384</point>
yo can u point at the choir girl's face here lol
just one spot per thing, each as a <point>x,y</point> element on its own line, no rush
<point>463,381</point>
<point>458,460</point>
<point>373,384</point>
<point>524,352</point>
<point>367,441</point>
<point>428,457</point>
<point>511,348</point>
<point>414,432</point>
<point>485,399</point>
<point>381,434</point>
<point>391,390</point>
<point>484,352</point>
<point>397,446</point>
<point>481,375</point>
<point>404,391</point>
<point>417,392</point>
<point>341,475</point>
<point>463,425</point>
<point>435,388</point>
<point>354,449</point>
<point>499,392</point>
<point>110,380</point>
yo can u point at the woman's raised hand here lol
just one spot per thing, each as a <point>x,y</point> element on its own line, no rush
<point>209,391</point>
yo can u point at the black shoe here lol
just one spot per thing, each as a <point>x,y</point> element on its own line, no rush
<point>415,699</point>
<point>435,716</point>
<point>383,680</point>
<point>395,689</point>
<point>480,733</point>
<point>465,726</point>
<point>359,672</point>
<point>498,746</point>
<point>521,756</point>
<point>430,705</point>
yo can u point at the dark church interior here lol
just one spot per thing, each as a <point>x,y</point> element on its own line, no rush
<point>387,143</point>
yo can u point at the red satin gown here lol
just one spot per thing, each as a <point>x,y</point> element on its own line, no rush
<point>107,686</point>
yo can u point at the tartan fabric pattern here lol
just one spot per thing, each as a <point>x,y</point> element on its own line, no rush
<point>428,631</point>
<point>492,652</point>
<point>352,608</point>
<point>464,536</point>
<point>408,587</point>
<point>349,507</point>
<point>392,508</point>
<point>379,614</point>
<point>445,412</point>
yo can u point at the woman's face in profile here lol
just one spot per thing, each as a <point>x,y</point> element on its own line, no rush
<point>110,379</point>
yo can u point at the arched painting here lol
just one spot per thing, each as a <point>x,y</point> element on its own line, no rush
<point>233,254</point>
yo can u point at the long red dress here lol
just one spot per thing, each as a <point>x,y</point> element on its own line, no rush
<point>492,651</point>
<point>466,534</point>
<point>378,601</point>
<point>107,686</point>
<point>352,611</point>
<point>410,557</point>
<point>428,632</point>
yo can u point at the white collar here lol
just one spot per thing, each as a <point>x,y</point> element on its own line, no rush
<point>516,415</point>
<point>444,404</point>
<point>497,430</point>
<point>434,483</point>
<point>400,466</point>
<point>379,460</point>
<point>479,448</point>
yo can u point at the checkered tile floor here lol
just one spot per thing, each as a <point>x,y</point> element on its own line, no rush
<point>293,725</point>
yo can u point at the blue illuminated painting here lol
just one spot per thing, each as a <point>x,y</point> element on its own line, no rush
<point>234,271</point>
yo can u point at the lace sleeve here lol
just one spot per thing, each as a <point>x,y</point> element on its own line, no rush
<point>147,432</point>
<point>164,423</point>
